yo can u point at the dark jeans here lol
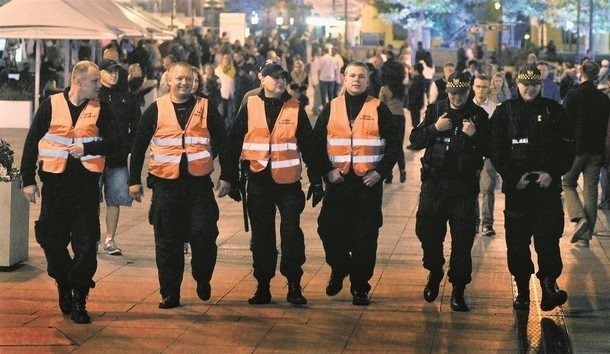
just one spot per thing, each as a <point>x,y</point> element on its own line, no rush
<point>435,210</point>
<point>327,91</point>
<point>183,210</point>
<point>263,197</point>
<point>348,226</point>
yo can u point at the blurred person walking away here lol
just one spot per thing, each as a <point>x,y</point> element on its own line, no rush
<point>328,74</point>
<point>455,134</point>
<point>226,76</point>
<point>588,109</point>
<point>417,92</point>
<point>115,179</point>
<point>71,133</point>
<point>532,148</point>
<point>181,130</point>
<point>358,144</point>
<point>393,94</point>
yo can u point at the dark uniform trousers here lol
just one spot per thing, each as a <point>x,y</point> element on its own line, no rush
<point>538,212</point>
<point>349,222</point>
<point>436,208</point>
<point>183,210</point>
<point>264,195</point>
<point>70,214</point>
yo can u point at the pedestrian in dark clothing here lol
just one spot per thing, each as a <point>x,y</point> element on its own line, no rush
<point>68,139</point>
<point>417,91</point>
<point>183,208</point>
<point>531,149</point>
<point>588,109</point>
<point>115,177</point>
<point>358,144</point>
<point>270,133</point>
<point>455,134</point>
<point>393,94</point>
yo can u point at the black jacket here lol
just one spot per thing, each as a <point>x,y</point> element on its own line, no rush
<point>588,110</point>
<point>543,123</point>
<point>127,116</point>
<point>452,158</point>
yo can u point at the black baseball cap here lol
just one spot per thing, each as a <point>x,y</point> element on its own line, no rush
<point>108,65</point>
<point>274,70</point>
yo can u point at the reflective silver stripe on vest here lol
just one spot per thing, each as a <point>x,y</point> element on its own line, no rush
<point>369,142</point>
<point>196,140</point>
<point>90,157</point>
<point>520,141</point>
<point>263,163</point>
<point>256,146</point>
<point>167,142</point>
<point>53,153</point>
<point>283,147</point>
<point>340,158</point>
<point>340,142</point>
<point>87,139</point>
<point>285,163</point>
<point>57,139</point>
<point>367,159</point>
<point>166,158</point>
<point>198,156</point>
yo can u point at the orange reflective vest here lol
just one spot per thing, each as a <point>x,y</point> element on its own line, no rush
<point>53,147</point>
<point>359,147</point>
<point>279,146</point>
<point>169,141</point>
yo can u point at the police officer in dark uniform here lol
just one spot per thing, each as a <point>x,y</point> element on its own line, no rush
<point>455,134</point>
<point>271,133</point>
<point>181,130</point>
<point>532,148</point>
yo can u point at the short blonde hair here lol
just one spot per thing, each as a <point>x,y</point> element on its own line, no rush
<point>82,68</point>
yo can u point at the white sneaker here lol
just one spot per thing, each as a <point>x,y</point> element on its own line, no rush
<point>111,248</point>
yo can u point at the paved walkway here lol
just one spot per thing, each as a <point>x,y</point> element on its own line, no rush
<point>125,317</point>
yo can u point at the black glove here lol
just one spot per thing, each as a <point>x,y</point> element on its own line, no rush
<point>235,194</point>
<point>317,191</point>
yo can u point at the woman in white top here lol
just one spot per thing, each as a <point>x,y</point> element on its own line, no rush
<point>226,76</point>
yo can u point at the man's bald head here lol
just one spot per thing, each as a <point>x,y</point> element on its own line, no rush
<point>112,54</point>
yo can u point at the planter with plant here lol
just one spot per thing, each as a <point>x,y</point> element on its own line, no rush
<point>15,215</point>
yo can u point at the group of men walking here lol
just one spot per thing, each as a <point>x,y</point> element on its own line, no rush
<point>352,148</point>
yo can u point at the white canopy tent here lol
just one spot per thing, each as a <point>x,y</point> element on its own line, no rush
<point>48,19</point>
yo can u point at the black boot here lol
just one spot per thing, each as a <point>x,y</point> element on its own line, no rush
<point>79,306</point>
<point>522,301</point>
<point>457,299</point>
<point>551,295</point>
<point>295,295</point>
<point>65,298</point>
<point>262,295</point>
<point>431,288</point>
